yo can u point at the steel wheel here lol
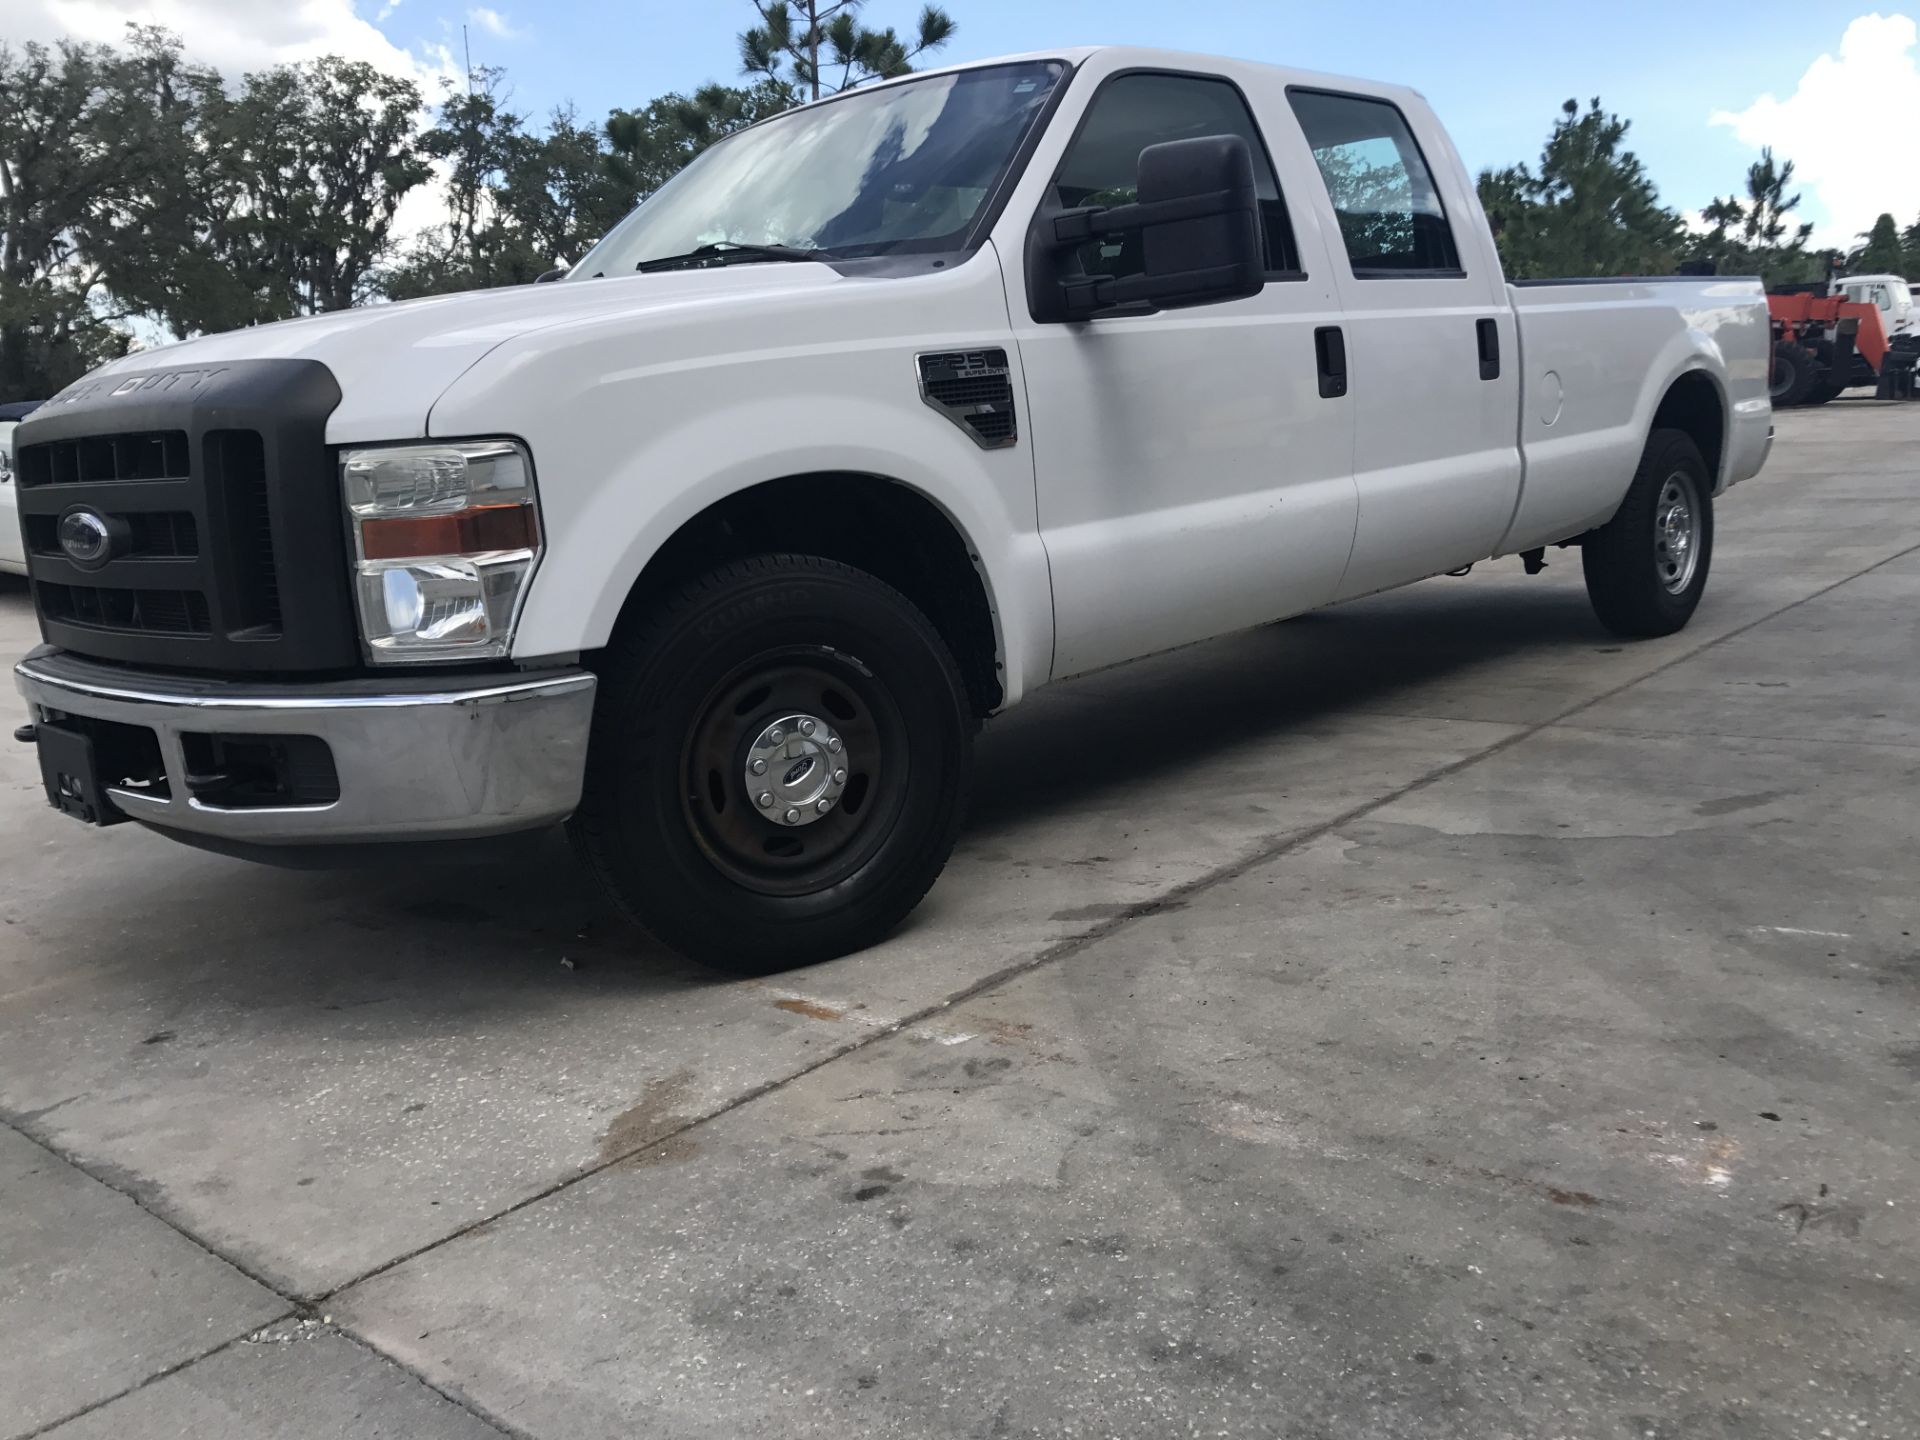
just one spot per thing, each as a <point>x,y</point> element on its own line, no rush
<point>1676,548</point>
<point>1646,568</point>
<point>794,771</point>
<point>718,811</point>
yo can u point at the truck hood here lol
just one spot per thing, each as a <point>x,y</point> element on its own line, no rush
<point>393,361</point>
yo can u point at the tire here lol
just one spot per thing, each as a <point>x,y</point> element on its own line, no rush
<point>1821,394</point>
<point>1638,584</point>
<point>1792,374</point>
<point>667,820</point>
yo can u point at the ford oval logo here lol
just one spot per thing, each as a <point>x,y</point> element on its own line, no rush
<point>86,537</point>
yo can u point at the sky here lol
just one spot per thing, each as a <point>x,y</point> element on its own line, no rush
<point>1833,86</point>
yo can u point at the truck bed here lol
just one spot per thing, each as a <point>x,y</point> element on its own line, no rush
<point>1596,356</point>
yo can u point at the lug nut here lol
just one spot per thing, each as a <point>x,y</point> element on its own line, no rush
<point>766,800</point>
<point>793,817</point>
<point>806,727</point>
<point>776,735</point>
<point>823,807</point>
<point>834,744</point>
<point>759,767</point>
<point>839,777</point>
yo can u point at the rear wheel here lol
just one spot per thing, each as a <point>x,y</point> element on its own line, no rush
<point>1647,567</point>
<point>779,764</point>
<point>1792,376</point>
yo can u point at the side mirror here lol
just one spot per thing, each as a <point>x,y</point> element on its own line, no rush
<point>1198,218</point>
<point>546,276</point>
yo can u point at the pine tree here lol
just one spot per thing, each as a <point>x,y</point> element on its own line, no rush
<point>1589,210</point>
<point>820,47</point>
<point>1883,253</point>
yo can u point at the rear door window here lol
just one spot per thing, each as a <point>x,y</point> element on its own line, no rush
<point>1383,194</point>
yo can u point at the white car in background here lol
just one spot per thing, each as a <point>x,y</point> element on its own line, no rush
<point>13,554</point>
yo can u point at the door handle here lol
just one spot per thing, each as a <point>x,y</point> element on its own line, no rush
<point>1489,349</point>
<point>1330,353</point>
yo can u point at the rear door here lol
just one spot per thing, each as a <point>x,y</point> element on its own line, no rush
<point>1192,477</point>
<point>1432,351</point>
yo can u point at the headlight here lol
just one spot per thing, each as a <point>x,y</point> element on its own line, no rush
<point>445,538</point>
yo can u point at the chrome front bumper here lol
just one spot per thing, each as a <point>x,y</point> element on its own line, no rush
<point>416,757</point>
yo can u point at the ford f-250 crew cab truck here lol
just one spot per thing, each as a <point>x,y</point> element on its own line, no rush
<point>879,415</point>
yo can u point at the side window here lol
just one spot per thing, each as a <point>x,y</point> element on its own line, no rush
<point>1132,112</point>
<point>1389,210</point>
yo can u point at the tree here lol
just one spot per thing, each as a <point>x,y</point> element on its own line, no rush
<point>649,146</point>
<point>1770,220</point>
<point>326,153</point>
<point>1719,244</point>
<point>820,47</point>
<point>475,143</point>
<point>520,202</point>
<point>1588,210</point>
<point>1759,234</point>
<point>91,139</point>
<point>1884,254</point>
<point>1910,243</point>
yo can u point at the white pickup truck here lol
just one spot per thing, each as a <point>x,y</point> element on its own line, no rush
<point>881,414</point>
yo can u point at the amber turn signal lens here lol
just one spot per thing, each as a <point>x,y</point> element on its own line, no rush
<point>465,532</point>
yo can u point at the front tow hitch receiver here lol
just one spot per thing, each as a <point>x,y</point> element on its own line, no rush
<point>1535,560</point>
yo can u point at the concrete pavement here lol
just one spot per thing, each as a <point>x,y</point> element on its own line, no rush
<point>1429,1018</point>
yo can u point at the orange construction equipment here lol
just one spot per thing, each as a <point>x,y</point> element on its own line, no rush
<point>1823,344</point>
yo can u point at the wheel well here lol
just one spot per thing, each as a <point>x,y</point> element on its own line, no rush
<point>1692,404</point>
<point>893,533</point>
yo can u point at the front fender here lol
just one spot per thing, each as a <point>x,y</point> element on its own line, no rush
<point>604,524</point>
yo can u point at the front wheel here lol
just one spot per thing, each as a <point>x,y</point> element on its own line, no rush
<point>779,764</point>
<point>1647,567</point>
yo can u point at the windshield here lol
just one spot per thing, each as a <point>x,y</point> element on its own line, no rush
<point>906,167</point>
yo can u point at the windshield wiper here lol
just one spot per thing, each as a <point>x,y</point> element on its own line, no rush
<point>721,252</point>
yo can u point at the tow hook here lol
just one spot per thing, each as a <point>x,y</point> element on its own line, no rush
<point>25,734</point>
<point>1535,560</point>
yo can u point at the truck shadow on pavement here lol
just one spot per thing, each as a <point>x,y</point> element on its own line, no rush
<point>449,945</point>
<point>1163,715</point>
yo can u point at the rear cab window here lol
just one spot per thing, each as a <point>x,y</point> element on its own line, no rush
<point>1131,112</point>
<point>1390,213</point>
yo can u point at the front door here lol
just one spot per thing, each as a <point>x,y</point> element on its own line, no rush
<point>1192,479</point>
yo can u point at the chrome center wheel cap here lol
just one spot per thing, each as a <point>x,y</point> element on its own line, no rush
<point>796,770</point>
<point>1674,534</point>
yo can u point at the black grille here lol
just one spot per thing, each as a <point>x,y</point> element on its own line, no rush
<point>237,478</point>
<point>974,389</point>
<point>96,459</point>
<point>216,488</point>
<point>151,535</point>
<point>151,612</point>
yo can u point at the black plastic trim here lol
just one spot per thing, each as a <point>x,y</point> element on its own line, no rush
<point>307,623</point>
<point>1039,258</point>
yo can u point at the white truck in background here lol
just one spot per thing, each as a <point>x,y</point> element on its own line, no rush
<point>882,414</point>
<point>1889,294</point>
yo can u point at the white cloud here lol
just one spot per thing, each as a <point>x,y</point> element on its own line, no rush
<point>494,23</point>
<point>236,35</point>
<point>1845,127</point>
